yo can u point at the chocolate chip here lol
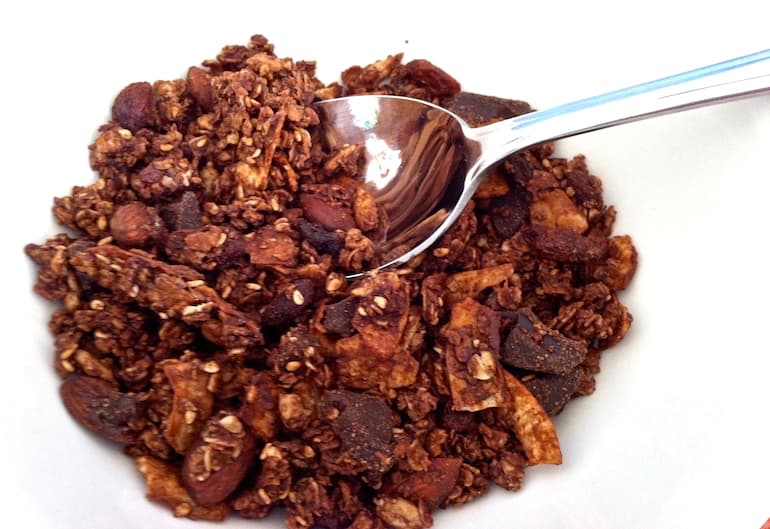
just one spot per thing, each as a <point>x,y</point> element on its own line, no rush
<point>554,391</point>
<point>532,345</point>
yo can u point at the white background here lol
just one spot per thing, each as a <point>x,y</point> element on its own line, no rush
<point>677,433</point>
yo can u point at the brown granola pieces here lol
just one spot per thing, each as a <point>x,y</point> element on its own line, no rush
<point>218,216</point>
<point>170,291</point>
<point>472,339</point>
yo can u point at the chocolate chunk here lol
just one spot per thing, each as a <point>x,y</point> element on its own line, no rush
<point>288,305</point>
<point>323,240</point>
<point>478,110</point>
<point>183,214</point>
<point>532,345</point>
<point>364,424</point>
<point>554,391</point>
<point>338,317</point>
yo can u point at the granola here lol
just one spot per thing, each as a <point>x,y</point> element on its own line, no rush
<point>207,325</point>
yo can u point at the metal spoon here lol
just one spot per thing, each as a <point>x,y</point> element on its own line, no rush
<point>423,163</point>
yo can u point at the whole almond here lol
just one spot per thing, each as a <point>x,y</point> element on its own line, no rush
<point>217,462</point>
<point>101,408</point>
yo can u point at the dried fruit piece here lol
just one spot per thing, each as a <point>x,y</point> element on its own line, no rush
<point>101,408</point>
<point>134,107</point>
<point>472,339</point>
<point>522,413</point>
<point>163,485</point>
<point>217,462</point>
<point>533,345</point>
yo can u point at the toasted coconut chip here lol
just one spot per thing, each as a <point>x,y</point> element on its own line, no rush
<point>531,424</point>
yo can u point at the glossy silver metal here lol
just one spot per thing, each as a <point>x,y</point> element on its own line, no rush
<point>424,163</point>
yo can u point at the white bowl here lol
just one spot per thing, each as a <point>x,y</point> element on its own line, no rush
<point>676,434</point>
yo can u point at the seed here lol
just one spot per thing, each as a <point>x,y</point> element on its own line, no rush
<point>334,284</point>
<point>231,423</point>
<point>211,367</point>
<point>189,416</point>
<point>195,283</point>
<point>293,366</point>
<point>380,302</point>
<point>362,311</point>
<point>441,252</point>
<point>97,304</point>
<point>297,297</point>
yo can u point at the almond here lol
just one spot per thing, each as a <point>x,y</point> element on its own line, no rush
<point>101,408</point>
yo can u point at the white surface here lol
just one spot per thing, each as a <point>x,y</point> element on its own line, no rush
<point>676,435</point>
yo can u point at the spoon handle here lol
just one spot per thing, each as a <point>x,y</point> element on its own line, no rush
<point>725,81</point>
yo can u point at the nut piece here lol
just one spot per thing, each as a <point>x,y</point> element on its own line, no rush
<point>199,85</point>
<point>135,225</point>
<point>217,462</point>
<point>101,408</point>
<point>134,107</point>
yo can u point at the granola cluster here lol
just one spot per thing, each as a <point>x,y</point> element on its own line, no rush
<point>206,322</point>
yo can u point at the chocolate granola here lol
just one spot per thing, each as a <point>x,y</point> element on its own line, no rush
<point>206,324</point>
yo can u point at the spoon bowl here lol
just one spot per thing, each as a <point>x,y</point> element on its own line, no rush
<point>422,163</point>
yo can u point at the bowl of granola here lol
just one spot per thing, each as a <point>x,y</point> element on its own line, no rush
<point>199,352</point>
